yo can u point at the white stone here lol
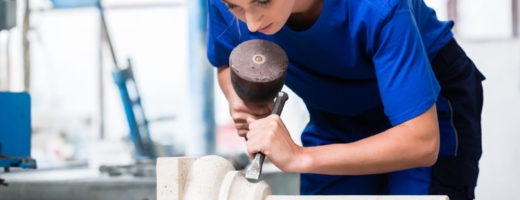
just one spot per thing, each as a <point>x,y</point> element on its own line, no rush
<point>171,175</point>
<point>236,187</point>
<point>213,177</point>
<point>206,177</point>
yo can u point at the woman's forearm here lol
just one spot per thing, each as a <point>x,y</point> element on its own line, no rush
<point>412,144</point>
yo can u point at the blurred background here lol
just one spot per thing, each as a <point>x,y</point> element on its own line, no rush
<point>73,57</point>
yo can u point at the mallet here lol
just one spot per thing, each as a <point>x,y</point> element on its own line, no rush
<point>258,71</point>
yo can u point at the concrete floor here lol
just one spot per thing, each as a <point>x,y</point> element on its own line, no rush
<point>499,61</point>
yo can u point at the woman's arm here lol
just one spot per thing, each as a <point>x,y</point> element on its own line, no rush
<point>224,81</point>
<point>414,143</point>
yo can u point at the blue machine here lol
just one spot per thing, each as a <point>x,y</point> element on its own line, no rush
<point>15,131</point>
<point>15,113</point>
<point>137,122</point>
<point>144,147</point>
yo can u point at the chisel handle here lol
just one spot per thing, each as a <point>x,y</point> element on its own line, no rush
<point>279,103</point>
<point>277,110</point>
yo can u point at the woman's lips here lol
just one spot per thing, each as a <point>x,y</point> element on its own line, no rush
<point>266,29</point>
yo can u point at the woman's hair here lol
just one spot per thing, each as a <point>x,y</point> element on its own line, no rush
<point>230,24</point>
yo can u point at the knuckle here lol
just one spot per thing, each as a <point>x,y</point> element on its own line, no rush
<point>253,125</point>
<point>273,124</point>
<point>242,133</point>
<point>270,136</point>
<point>235,107</point>
<point>235,117</point>
<point>250,148</point>
<point>270,139</point>
<point>267,143</point>
<point>240,126</point>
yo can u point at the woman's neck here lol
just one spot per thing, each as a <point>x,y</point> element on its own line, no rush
<point>305,14</point>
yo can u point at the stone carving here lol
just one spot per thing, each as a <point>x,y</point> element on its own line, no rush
<point>214,178</point>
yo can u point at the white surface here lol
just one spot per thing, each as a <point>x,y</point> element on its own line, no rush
<point>478,19</point>
<point>54,175</point>
<point>483,19</point>
<point>500,63</point>
<point>274,197</point>
<point>440,8</point>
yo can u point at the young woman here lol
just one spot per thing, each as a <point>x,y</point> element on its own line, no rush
<point>394,102</point>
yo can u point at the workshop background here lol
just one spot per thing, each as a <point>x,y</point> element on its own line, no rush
<point>69,61</point>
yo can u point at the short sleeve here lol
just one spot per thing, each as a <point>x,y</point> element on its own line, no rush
<point>407,84</point>
<point>223,34</point>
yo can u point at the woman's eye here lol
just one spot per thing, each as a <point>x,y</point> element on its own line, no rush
<point>231,6</point>
<point>264,2</point>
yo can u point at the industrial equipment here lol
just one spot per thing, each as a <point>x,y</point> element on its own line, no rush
<point>15,113</point>
<point>15,131</point>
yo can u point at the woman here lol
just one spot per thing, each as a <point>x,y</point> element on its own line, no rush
<point>394,102</point>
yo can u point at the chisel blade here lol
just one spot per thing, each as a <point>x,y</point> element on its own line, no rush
<point>255,169</point>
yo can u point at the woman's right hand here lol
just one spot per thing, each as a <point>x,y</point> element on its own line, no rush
<point>240,111</point>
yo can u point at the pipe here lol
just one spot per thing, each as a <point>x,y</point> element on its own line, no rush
<point>201,140</point>
<point>26,48</point>
<point>101,88</point>
<point>514,12</point>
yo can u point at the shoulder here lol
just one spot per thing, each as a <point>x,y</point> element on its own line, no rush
<point>214,2</point>
<point>383,8</point>
<point>370,15</point>
<point>217,7</point>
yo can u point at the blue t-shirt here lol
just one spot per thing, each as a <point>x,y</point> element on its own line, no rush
<point>357,55</point>
<point>363,67</point>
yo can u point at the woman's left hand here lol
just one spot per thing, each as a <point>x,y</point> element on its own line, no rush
<point>270,136</point>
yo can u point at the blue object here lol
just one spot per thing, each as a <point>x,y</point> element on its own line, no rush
<point>362,68</point>
<point>15,130</point>
<point>202,137</point>
<point>75,3</point>
<point>139,131</point>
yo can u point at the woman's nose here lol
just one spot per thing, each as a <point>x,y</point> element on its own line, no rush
<point>253,22</point>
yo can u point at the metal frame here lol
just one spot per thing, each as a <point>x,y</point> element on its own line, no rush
<point>515,16</point>
<point>139,131</point>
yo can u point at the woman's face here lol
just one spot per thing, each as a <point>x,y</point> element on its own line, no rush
<point>265,16</point>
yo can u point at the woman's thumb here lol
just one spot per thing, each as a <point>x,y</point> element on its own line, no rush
<point>250,120</point>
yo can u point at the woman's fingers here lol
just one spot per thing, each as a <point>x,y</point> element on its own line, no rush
<point>240,111</point>
<point>259,110</point>
<point>270,135</point>
<point>241,125</point>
